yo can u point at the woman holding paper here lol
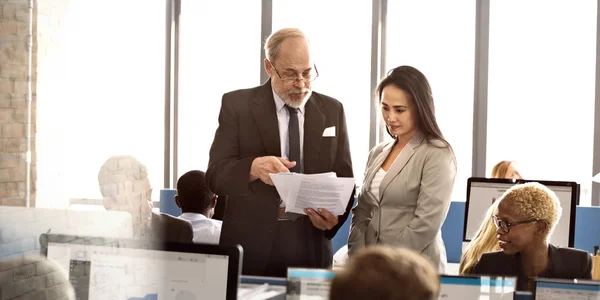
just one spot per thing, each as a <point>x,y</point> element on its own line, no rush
<point>408,181</point>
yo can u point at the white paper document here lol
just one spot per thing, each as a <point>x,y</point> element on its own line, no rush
<point>325,190</point>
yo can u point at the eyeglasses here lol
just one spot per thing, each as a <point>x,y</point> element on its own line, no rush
<point>307,76</point>
<point>505,226</point>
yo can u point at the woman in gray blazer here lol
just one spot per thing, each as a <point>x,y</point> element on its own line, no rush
<point>408,181</point>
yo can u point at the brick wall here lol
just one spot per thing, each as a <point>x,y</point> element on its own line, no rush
<point>33,278</point>
<point>14,19</point>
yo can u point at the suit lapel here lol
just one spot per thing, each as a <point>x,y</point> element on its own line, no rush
<point>265,116</point>
<point>400,162</point>
<point>374,168</point>
<point>314,125</point>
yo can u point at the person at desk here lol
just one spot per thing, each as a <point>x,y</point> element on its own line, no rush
<point>197,205</point>
<point>278,127</point>
<point>382,273</point>
<point>525,218</point>
<point>408,181</point>
<point>484,239</point>
<point>506,169</point>
<point>124,185</point>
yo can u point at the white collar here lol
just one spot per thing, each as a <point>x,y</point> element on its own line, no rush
<point>193,216</point>
<point>279,103</point>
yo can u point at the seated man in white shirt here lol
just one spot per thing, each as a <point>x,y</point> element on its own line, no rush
<point>197,205</point>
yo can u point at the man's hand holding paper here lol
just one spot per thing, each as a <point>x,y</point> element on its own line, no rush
<point>263,166</point>
<point>321,218</point>
<point>314,191</point>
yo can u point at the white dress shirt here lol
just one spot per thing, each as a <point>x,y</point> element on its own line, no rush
<point>206,231</point>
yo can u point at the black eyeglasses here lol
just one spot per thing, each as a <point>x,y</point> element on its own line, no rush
<point>307,76</point>
<point>505,226</point>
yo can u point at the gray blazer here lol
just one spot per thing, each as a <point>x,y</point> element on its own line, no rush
<point>414,198</point>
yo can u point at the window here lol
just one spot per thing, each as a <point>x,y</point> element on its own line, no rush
<point>438,38</point>
<point>344,77</point>
<point>220,52</point>
<point>100,92</point>
<point>541,89</point>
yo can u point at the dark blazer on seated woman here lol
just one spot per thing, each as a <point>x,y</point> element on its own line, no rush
<point>565,263</point>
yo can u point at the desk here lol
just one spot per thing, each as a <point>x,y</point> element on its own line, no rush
<point>262,288</point>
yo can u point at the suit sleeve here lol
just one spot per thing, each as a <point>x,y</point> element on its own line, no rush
<point>587,267</point>
<point>433,201</point>
<point>361,216</point>
<point>187,233</point>
<point>475,270</point>
<point>227,174</point>
<point>342,168</point>
<point>481,267</point>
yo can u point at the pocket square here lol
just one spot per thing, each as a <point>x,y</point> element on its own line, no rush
<point>329,131</point>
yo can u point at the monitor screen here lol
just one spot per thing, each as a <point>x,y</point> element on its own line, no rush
<point>482,192</point>
<point>523,295</point>
<point>117,272</point>
<point>476,287</point>
<point>551,289</point>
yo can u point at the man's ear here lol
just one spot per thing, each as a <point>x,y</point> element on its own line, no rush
<point>268,67</point>
<point>177,201</point>
<point>213,201</point>
<point>542,226</point>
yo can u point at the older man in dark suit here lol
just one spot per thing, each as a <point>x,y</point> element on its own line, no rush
<point>279,126</point>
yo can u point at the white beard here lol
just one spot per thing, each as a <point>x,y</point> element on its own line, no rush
<point>297,104</point>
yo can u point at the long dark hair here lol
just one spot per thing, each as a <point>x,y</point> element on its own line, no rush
<point>413,82</point>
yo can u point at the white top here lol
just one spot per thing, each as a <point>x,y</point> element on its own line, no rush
<point>206,231</point>
<point>340,257</point>
<point>377,181</point>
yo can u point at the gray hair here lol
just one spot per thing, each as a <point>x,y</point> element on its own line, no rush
<point>273,42</point>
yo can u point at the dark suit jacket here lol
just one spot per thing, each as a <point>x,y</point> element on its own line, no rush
<point>565,263</point>
<point>167,228</point>
<point>248,128</point>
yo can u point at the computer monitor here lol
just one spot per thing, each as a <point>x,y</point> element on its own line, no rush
<point>482,192</point>
<point>546,289</point>
<point>103,268</point>
<point>262,287</point>
<point>477,287</point>
<point>523,295</point>
<point>22,226</point>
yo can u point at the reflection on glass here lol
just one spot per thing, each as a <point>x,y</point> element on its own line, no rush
<point>541,88</point>
<point>438,38</point>
<point>100,92</point>
<point>215,58</point>
<point>347,80</point>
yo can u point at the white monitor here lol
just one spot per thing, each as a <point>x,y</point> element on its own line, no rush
<point>101,268</point>
<point>551,289</point>
<point>477,287</point>
<point>482,192</point>
<point>22,226</point>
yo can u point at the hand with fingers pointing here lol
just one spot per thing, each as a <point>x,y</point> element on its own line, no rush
<point>263,166</point>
